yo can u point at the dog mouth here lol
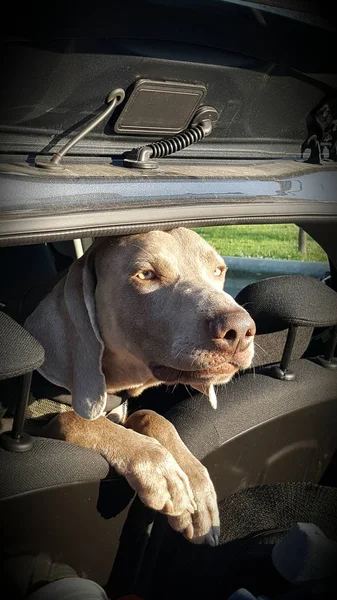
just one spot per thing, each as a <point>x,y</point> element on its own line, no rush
<point>172,375</point>
<point>202,380</point>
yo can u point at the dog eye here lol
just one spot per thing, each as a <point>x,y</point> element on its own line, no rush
<point>218,271</point>
<point>146,275</point>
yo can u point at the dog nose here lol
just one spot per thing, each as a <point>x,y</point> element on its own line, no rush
<point>234,331</point>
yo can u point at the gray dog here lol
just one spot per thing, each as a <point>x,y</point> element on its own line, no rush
<point>134,312</point>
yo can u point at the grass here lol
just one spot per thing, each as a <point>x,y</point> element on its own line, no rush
<point>261,241</point>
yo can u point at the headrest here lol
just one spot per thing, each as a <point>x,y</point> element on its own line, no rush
<point>20,352</point>
<point>276,303</point>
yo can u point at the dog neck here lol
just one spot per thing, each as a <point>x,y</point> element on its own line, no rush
<point>124,371</point>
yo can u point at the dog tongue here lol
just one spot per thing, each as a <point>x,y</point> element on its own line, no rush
<point>210,391</point>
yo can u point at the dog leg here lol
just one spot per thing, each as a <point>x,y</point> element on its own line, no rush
<point>203,526</point>
<point>148,467</point>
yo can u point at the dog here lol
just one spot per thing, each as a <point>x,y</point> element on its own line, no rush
<point>133,312</point>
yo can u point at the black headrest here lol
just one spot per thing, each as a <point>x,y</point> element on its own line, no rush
<point>276,303</point>
<point>20,352</point>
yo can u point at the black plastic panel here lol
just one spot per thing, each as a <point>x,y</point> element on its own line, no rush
<point>258,102</point>
<point>58,72</point>
<point>159,107</point>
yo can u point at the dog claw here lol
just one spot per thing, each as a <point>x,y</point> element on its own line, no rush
<point>189,531</point>
<point>192,508</point>
<point>168,507</point>
<point>216,535</point>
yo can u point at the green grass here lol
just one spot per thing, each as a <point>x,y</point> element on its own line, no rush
<point>261,241</point>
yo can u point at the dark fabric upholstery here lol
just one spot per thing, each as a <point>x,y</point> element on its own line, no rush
<point>269,346</point>
<point>252,521</point>
<point>49,463</point>
<point>20,352</point>
<point>268,507</point>
<point>249,400</point>
<point>277,302</point>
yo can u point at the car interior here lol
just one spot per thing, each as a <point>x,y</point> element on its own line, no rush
<point>137,116</point>
<point>270,448</point>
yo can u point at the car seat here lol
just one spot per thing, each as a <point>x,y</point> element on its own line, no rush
<point>269,428</point>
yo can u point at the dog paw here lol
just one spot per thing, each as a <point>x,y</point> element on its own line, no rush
<point>202,526</point>
<point>158,480</point>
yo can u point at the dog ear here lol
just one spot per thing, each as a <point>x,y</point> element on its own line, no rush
<point>66,326</point>
<point>88,386</point>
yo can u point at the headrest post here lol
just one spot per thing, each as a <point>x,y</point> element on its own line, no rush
<point>283,372</point>
<point>288,348</point>
<point>17,440</point>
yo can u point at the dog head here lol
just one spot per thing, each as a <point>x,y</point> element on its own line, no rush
<point>160,297</point>
<point>143,309</point>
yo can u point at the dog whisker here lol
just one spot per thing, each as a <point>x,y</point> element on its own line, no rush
<point>188,391</point>
<point>245,304</point>
<point>260,347</point>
